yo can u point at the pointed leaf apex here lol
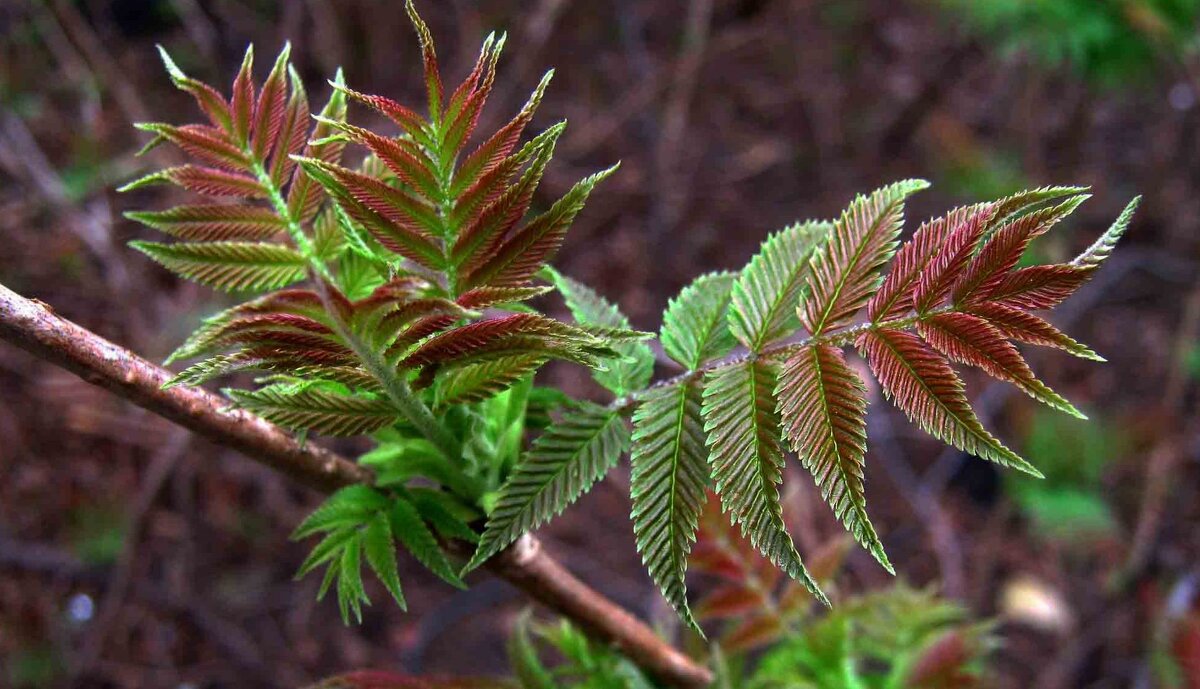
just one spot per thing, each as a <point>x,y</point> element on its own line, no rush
<point>1100,250</point>
<point>285,54</point>
<point>173,69</point>
<point>153,178</point>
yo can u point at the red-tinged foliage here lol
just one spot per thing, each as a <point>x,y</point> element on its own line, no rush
<point>269,109</point>
<point>969,339</point>
<point>433,78</point>
<point>945,664</point>
<point>478,170</point>
<point>269,321</point>
<point>495,221</point>
<point>213,222</point>
<point>1001,253</point>
<point>823,407</point>
<point>292,135</point>
<point>298,357</point>
<point>408,162</point>
<point>212,182</point>
<point>895,296</point>
<point>484,297</point>
<point>1039,287</point>
<point>1018,325</point>
<point>408,120</point>
<point>305,195</point>
<point>242,102</point>
<point>940,274</point>
<point>492,335</point>
<point>844,274</point>
<point>288,339</point>
<point>205,143</point>
<point>921,383</point>
<point>469,98</point>
<point>410,214</point>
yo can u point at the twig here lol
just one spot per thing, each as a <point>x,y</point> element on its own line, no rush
<point>33,326</point>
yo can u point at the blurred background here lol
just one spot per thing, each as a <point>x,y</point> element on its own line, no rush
<point>132,555</point>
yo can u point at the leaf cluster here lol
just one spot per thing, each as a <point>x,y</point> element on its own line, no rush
<point>391,299</point>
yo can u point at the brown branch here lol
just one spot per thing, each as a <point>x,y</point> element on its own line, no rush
<point>34,327</point>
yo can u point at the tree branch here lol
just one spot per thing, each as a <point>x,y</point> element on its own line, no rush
<point>34,327</point>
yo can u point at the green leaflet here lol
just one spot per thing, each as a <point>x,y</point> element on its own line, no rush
<point>350,592</point>
<point>350,506</point>
<point>381,556</point>
<point>823,406</point>
<point>769,288</point>
<point>230,266</point>
<point>695,325</point>
<point>1099,251</point>
<point>411,530</point>
<point>746,453</point>
<point>590,309</point>
<point>667,486</point>
<point>564,462</point>
<point>315,410</point>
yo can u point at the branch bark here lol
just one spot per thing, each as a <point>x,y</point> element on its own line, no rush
<point>34,327</point>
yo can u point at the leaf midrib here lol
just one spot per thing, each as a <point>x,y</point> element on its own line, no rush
<point>990,443</point>
<point>819,327</point>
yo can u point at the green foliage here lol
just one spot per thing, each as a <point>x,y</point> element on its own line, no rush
<point>1070,504</point>
<point>695,330</point>
<point>1110,41</point>
<point>667,486</point>
<point>636,364</point>
<point>899,638</point>
<point>584,664</point>
<point>564,462</point>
